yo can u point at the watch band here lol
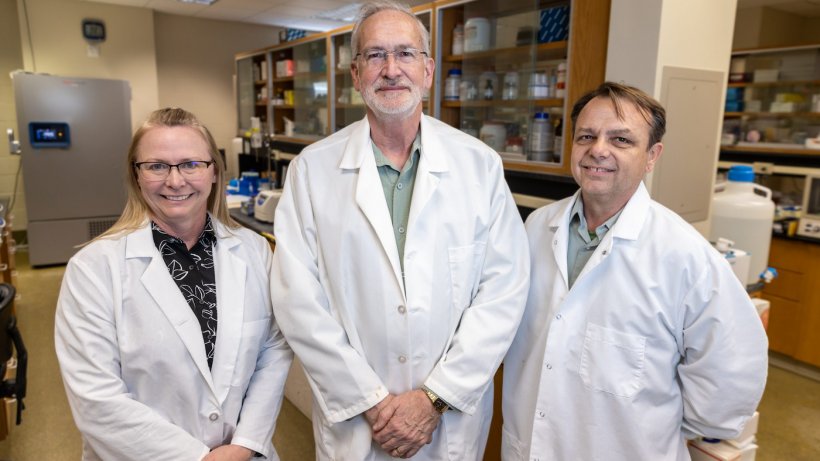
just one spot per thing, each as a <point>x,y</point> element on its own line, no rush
<point>439,404</point>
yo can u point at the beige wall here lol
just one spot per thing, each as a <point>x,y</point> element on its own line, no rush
<point>10,59</point>
<point>195,60</point>
<point>57,46</point>
<point>167,59</point>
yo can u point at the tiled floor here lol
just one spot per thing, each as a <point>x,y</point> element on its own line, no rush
<point>789,422</point>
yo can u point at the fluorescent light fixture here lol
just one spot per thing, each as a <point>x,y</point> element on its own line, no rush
<point>199,2</point>
<point>346,13</point>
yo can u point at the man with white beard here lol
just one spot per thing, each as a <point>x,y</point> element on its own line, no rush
<point>401,269</point>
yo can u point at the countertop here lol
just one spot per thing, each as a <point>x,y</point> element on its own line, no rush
<point>251,223</point>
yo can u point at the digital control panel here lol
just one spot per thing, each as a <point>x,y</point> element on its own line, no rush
<point>49,134</point>
<point>809,227</point>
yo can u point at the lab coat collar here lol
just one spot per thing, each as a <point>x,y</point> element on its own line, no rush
<point>358,154</point>
<point>627,227</point>
<point>230,273</point>
<point>630,223</point>
<point>357,151</point>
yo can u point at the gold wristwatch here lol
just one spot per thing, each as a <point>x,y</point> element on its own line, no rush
<point>440,405</point>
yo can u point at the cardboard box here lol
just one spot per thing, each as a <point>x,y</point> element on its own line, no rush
<point>720,451</point>
<point>765,75</point>
<point>554,24</point>
<point>284,68</point>
<point>781,107</point>
<point>754,105</point>
<point>747,436</point>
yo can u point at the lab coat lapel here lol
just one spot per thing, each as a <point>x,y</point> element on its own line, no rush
<point>230,271</point>
<point>165,293</point>
<point>431,162</point>
<point>627,227</point>
<point>370,195</point>
<point>559,226</point>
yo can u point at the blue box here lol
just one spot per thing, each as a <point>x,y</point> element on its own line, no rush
<point>554,24</point>
<point>734,106</point>
<point>734,94</point>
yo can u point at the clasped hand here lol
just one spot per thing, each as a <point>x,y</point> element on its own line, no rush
<point>403,423</point>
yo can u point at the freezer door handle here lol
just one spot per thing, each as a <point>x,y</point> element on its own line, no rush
<point>14,145</point>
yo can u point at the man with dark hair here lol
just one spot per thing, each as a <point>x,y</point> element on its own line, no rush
<point>637,335</point>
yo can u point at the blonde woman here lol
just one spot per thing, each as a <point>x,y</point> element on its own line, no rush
<point>164,331</point>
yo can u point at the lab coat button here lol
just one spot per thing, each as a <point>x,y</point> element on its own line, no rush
<point>402,309</point>
<point>399,186</point>
<point>549,367</point>
<point>401,230</point>
<point>402,359</point>
<point>540,414</point>
<point>558,317</point>
<point>213,416</point>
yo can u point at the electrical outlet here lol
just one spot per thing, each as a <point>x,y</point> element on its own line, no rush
<point>763,167</point>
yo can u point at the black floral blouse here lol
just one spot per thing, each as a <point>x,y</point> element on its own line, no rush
<point>193,271</point>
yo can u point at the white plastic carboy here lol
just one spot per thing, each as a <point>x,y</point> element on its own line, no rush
<point>743,212</point>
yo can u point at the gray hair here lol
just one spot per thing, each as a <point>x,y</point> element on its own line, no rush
<point>370,8</point>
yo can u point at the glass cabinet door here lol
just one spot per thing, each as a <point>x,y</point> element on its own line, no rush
<point>348,103</point>
<point>502,75</point>
<point>300,87</point>
<point>310,90</point>
<point>252,91</point>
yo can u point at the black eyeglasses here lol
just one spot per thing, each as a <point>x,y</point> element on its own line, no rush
<point>157,171</point>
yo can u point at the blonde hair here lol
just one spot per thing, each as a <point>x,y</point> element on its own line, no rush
<point>136,209</point>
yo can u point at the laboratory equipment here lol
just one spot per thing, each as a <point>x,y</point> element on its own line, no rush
<point>810,219</point>
<point>74,137</point>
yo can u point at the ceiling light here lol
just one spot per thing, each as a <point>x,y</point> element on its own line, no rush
<point>345,13</point>
<point>199,2</point>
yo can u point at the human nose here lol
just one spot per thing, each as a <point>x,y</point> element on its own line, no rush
<point>174,178</point>
<point>599,148</point>
<point>391,65</point>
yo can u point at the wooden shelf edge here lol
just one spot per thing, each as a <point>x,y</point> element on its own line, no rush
<point>771,114</point>
<point>771,150</point>
<point>553,102</point>
<point>534,167</point>
<point>772,84</point>
<point>539,48</point>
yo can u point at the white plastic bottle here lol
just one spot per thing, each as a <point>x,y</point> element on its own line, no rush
<point>541,137</point>
<point>743,212</point>
<point>452,85</point>
<point>458,39</point>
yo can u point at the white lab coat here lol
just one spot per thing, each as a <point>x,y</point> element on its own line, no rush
<point>133,359</point>
<point>340,298</point>
<point>657,340</point>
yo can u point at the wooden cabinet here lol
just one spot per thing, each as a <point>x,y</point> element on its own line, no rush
<point>773,102</point>
<point>794,318</point>
<point>503,83</point>
<point>314,88</point>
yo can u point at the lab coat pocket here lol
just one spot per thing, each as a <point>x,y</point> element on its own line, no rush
<point>612,361</point>
<point>465,264</point>
<point>253,337</point>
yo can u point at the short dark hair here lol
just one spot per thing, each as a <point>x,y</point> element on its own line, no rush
<point>652,111</point>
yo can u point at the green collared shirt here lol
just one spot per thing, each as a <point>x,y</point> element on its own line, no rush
<point>398,190</point>
<point>582,243</point>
